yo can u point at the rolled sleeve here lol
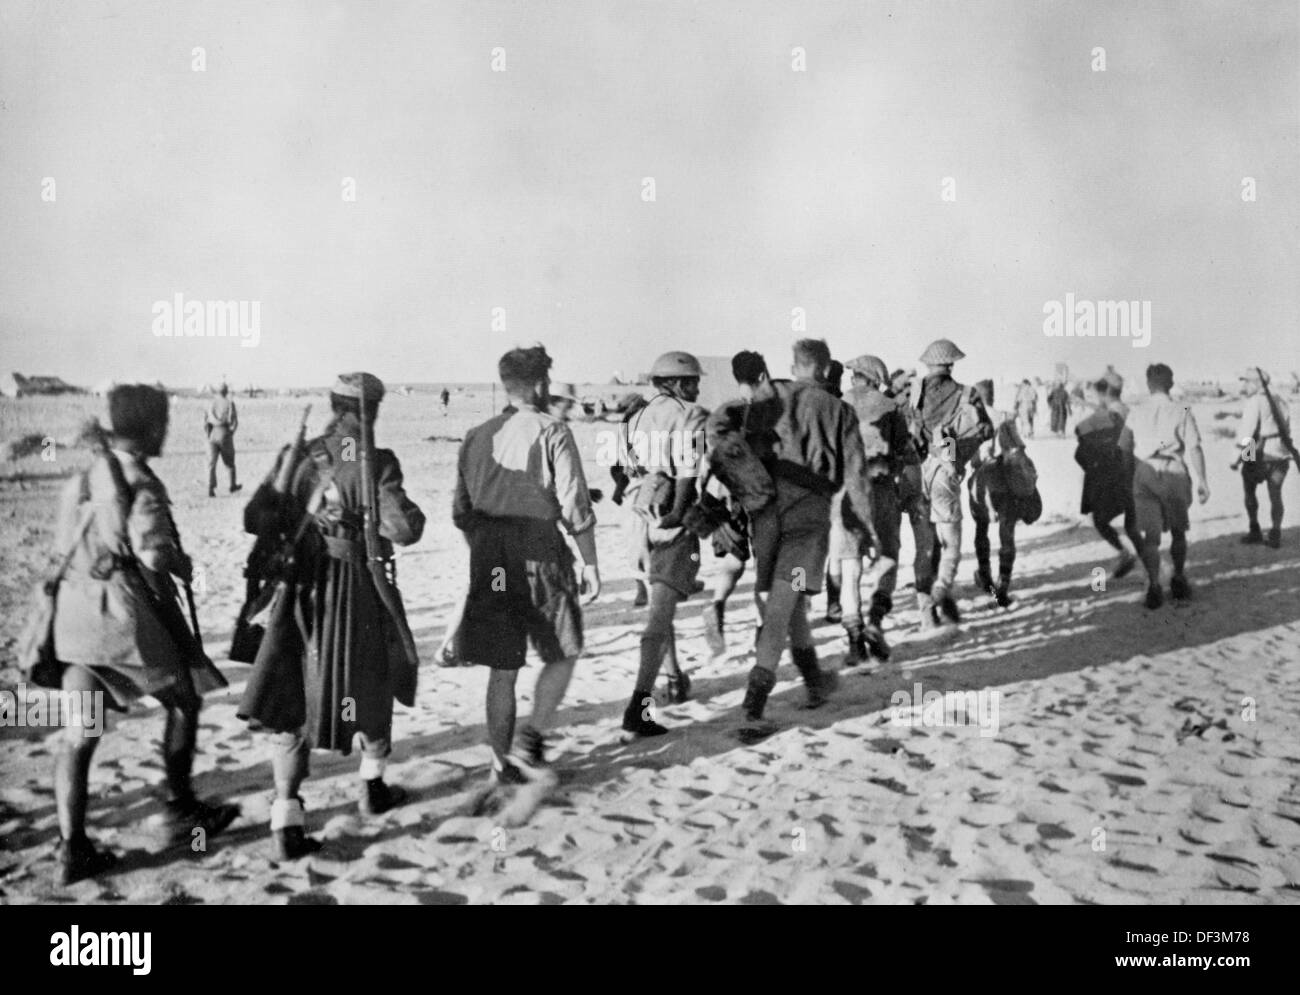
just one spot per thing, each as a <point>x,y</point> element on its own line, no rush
<point>570,482</point>
<point>400,519</point>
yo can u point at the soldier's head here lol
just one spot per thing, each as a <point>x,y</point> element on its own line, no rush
<point>526,376</point>
<point>223,390</point>
<point>138,415</point>
<point>351,390</point>
<point>677,373</point>
<point>812,360</point>
<point>1160,378</point>
<point>870,371</point>
<point>1098,392</point>
<point>900,382</point>
<point>750,370</point>
<point>1251,380</point>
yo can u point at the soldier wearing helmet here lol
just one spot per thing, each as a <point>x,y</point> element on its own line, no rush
<point>663,453</point>
<point>887,447</point>
<point>953,424</point>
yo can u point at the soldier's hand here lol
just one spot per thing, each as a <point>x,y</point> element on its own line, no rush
<point>1203,492</point>
<point>590,583</point>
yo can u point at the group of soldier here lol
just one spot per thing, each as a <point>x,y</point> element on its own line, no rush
<point>807,481</point>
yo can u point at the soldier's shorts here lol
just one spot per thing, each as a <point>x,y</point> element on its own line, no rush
<point>221,445</point>
<point>732,538</point>
<point>674,559</point>
<point>941,481</point>
<point>791,540</point>
<point>1162,497</point>
<point>522,589</point>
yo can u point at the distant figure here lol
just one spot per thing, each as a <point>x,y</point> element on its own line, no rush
<point>1058,400</point>
<point>220,424</point>
<point>1026,406</point>
<point>445,397</point>
<point>1264,435</point>
<point>1162,437</point>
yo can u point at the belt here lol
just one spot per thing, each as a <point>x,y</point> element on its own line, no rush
<point>353,550</point>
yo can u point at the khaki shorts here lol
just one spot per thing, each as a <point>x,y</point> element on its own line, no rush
<point>791,541</point>
<point>941,481</point>
<point>1161,498</point>
<point>674,559</point>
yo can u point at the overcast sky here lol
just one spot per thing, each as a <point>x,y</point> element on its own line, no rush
<point>774,189</point>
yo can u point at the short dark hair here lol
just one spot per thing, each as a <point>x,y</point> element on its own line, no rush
<point>1160,377</point>
<point>812,352</point>
<point>524,366</point>
<point>834,377</point>
<point>748,367</point>
<point>136,410</point>
<point>1102,387</point>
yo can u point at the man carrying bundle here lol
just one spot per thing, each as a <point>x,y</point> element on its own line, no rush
<point>808,442</point>
<point>346,653</point>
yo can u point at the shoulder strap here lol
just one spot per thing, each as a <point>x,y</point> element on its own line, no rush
<point>65,561</point>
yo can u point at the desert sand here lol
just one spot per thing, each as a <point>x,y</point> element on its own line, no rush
<point>1139,757</point>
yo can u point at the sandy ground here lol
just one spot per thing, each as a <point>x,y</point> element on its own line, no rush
<point>1138,756</point>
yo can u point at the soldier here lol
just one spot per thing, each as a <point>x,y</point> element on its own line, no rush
<point>810,444</point>
<point>665,447</point>
<point>1108,473</point>
<point>220,423</point>
<point>913,502</point>
<point>635,531</point>
<point>953,424</point>
<point>1162,435</point>
<point>887,448</point>
<point>987,490</point>
<point>118,628</point>
<point>731,540</point>
<point>1026,406</point>
<point>1058,400</point>
<point>445,398</point>
<point>1265,435</point>
<point>519,481</point>
<point>342,661</point>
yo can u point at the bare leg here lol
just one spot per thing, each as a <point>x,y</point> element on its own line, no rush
<point>501,712</point>
<point>552,683</point>
<point>76,748</point>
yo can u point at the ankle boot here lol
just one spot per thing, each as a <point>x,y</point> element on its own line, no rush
<point>761,682</point>
<point>1253,536</point>
<point>817,682</point>
<point>856,652</point>
<point>287,829</point>
<point>636,723</point>
<point>873,636</point>
<point>377,797</point>
<point>78,859</point>
<point>1002,594</point>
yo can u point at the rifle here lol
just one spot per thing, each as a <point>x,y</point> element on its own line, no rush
<point>379,564</point>
<point>270,559</point>
<point>1282,432</point>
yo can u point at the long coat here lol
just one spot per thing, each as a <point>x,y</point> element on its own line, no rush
<point>114,615</point>
<point>335,639</point>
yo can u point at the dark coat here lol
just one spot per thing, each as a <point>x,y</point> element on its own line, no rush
<point>332,638</point>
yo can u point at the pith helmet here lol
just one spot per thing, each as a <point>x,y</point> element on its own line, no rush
<point>871,367</point>
<point>942,351</point>
<point>676,364</point>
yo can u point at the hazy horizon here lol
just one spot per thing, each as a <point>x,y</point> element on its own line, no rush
<point>521,189</point>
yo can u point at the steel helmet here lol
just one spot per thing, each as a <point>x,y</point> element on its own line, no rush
<point>942,351</point>
<point>871,367</point>
<point>676,364</point>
